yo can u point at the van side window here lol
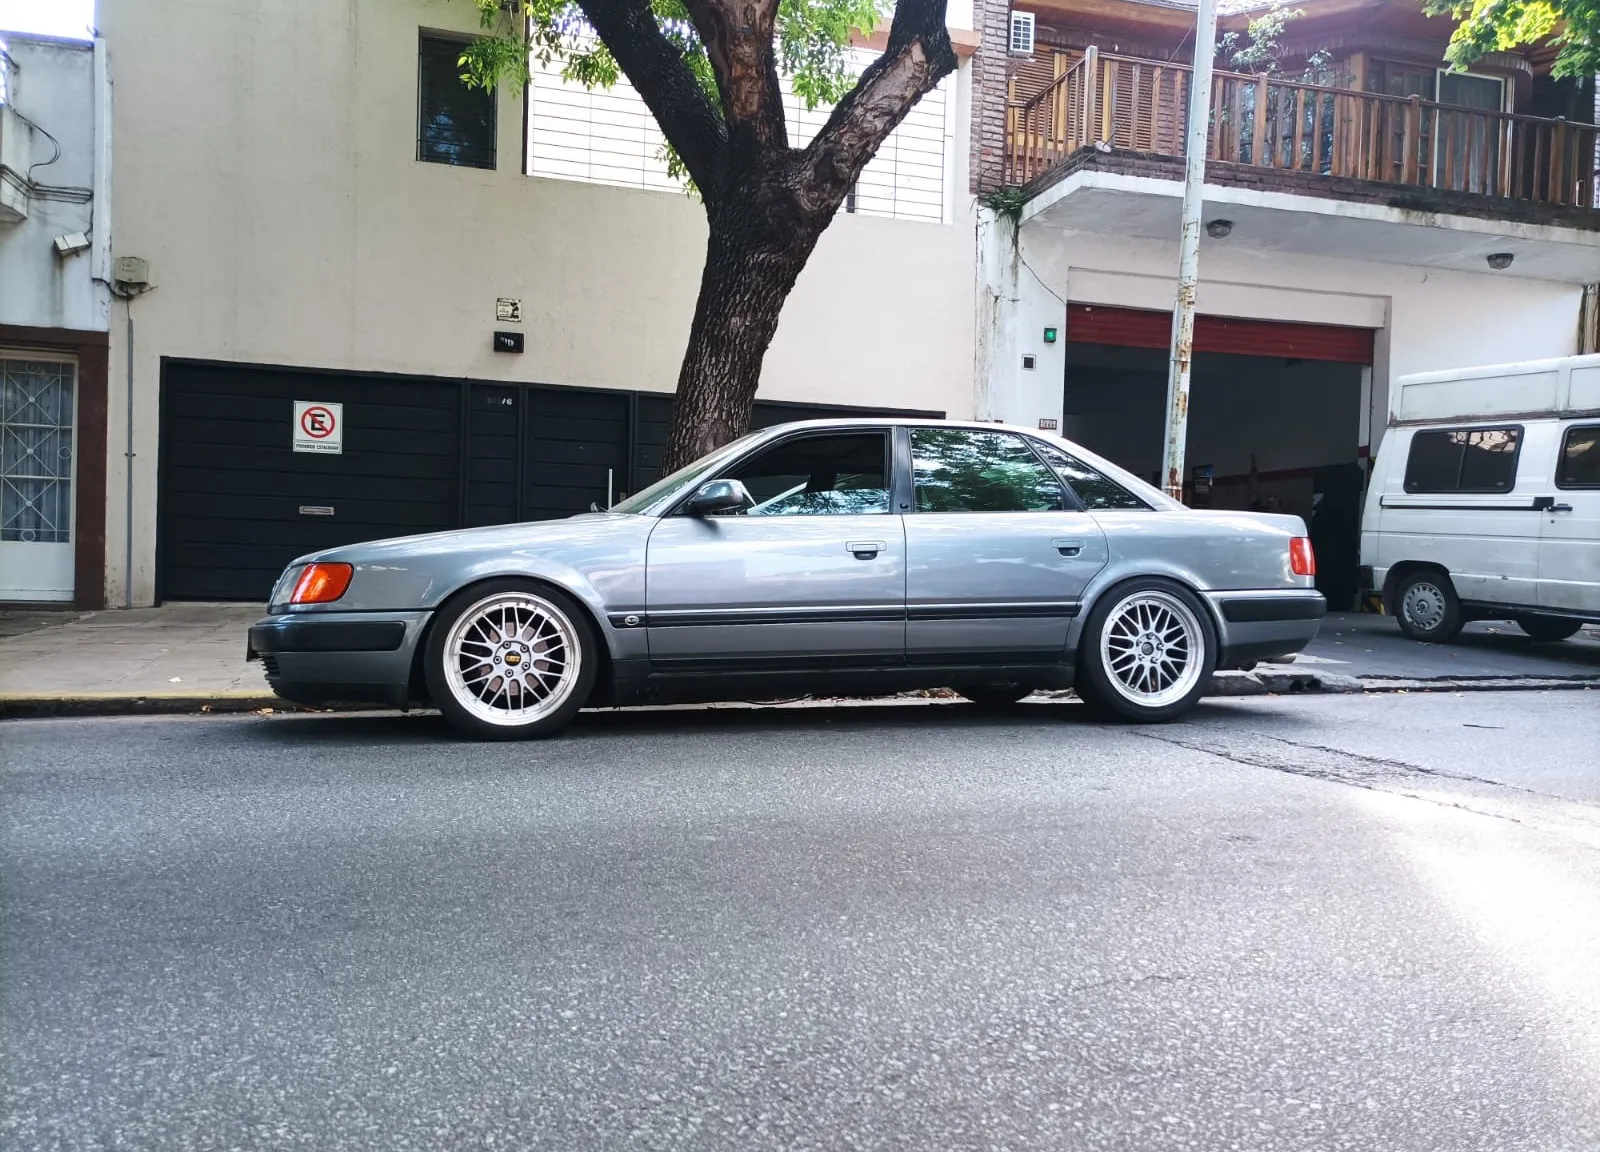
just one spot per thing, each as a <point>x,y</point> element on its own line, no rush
<point>1579,466</point>
<point>1463,460</point>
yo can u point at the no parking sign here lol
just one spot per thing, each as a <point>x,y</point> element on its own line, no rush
<point>318,427</point>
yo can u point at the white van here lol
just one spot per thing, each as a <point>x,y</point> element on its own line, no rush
<point>1484,502</point>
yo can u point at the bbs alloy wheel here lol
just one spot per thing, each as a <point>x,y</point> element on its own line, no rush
<point>510,659</point>
<point>1147,652</point>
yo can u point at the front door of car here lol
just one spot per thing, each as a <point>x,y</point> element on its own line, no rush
<point>998,552</point>
<point>811,574</point>
<point>1569,532</point>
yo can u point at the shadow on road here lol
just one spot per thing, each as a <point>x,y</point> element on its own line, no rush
<point>597,726</point>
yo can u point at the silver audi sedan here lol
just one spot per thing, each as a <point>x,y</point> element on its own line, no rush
<point>837,557</point>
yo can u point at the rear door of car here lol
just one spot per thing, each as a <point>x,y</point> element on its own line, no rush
<point>812,576</point>
<point>998,551</point>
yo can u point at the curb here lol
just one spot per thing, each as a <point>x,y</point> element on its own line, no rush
<point>38,705</point>
<point>1273,682</point>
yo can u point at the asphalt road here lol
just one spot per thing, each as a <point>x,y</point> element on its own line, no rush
<point>1357,644</point>
<point>1320,923</point>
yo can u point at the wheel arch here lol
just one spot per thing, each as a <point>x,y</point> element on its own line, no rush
<point>417,685</point>
<point>1097,593</point>
<point>1404,568</point>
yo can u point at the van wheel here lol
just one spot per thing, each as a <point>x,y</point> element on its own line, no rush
<point>1427,609</point>
<point>1147,652</point>
<point>996,695</point>
<point>510,659</point>
<point>1548,628</point>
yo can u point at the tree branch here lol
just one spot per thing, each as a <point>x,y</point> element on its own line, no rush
<point>656,69</point>
<point>738,35</point>
<point>918,56</point>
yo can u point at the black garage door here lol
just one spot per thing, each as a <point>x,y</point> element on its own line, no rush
<point>237,502</point>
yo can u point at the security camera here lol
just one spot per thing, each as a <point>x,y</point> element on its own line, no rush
<point>71,243</point>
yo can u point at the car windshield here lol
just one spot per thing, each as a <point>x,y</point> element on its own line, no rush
<point>684,478</point>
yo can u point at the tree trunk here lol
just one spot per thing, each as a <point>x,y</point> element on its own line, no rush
<point>752,261</point>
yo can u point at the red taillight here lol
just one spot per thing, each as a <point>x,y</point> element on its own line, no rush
<point>1302,560</point>
<point>321,583</point>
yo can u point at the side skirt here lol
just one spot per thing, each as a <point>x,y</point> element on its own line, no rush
<point>636,683</point>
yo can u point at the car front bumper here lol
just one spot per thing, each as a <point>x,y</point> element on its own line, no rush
<point>324,658</point>
<point>1266,625</point>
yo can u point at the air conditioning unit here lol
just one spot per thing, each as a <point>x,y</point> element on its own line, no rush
<point>1021,39</point>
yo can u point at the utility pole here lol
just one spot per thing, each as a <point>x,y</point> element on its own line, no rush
<point>1194,181</point>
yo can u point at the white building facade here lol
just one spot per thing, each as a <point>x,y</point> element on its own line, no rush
<point>55,304</point>
<point>325,226</point>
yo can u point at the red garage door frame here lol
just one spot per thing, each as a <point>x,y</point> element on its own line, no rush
<point>1138,328</point>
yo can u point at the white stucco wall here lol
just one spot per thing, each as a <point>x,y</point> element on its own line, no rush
<point>270,183</point>
<point>53,84</point>
<point>1424,318</point>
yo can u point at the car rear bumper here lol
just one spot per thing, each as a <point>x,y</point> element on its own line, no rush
<point>1265,625</point>
<point>320,658</point>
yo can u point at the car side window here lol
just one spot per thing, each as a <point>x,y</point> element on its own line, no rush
<point>845,474</point>
<point>969,470</point>
<point>1463,460</point>
<point>1579,466</point>
<point>1095,491</point>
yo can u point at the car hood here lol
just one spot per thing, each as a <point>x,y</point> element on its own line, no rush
<point>588,527</point>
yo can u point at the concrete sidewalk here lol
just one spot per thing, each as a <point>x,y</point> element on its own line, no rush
<point>180,657</point>
<point>191,657</point>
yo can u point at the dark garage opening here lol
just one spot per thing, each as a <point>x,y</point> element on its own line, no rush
<point>1267,432</point>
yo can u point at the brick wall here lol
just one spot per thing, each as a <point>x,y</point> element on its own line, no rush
<point>990,68</point>
<point>1328,188</point>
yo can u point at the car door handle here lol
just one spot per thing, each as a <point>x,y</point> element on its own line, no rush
<point>1548,504</point>
<point>865,549</point>
<point>1561,507</point>
<point>1067,547</point>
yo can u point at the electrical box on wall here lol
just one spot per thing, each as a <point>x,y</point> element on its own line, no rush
<point>134,271</point>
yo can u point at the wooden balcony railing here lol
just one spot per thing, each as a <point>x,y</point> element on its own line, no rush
<point>1141,105</point>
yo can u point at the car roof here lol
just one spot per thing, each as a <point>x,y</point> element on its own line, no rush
<point>891,422</point>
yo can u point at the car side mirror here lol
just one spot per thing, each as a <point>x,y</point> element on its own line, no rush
<point>717,496</point>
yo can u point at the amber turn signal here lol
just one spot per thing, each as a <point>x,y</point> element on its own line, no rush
<point>1302,560</point>
<point>321,583</point>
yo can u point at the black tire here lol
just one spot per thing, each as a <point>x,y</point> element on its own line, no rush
<point>1426,607</point>
<point>996,695</point>
<point>1549,628</point>
<point>1106,693</point>
<point>571,628</point>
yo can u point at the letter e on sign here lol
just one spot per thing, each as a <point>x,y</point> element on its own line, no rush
<point>318,427</point>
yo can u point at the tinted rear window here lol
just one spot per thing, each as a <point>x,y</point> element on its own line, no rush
<point>1463,460</point>
<point>1580,458</point>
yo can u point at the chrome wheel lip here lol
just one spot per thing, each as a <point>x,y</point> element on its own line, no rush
<point>1424,605</point>
<point>1152,648</point>
<point>540,652</point>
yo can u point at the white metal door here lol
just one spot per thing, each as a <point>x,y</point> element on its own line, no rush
<point>38,454</point>
<point>1569,542</point>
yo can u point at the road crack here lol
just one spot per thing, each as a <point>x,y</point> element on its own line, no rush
<point>1320,762</point>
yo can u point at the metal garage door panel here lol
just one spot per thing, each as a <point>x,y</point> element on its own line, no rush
<point>237,503</point>
<point>576,450</point>
<point>494,442</point>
